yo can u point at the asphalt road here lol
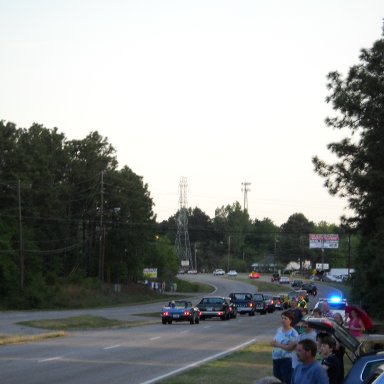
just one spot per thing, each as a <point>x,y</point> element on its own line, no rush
<point>139,355</point>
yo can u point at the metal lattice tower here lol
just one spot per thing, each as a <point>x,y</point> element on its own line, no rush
<point>182,245</point>
<point>245,190</point>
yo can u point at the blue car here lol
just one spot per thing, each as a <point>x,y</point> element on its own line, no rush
<point>180,310</point>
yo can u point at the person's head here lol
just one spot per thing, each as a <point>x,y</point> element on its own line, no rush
<point>327,346</point>
<point>354,314</point>
<point>287,318</point>
<point>306,327</point>
<point>338,318</point>
<point>325,307</point>
<point>316,312</point>
<point>306,351</point>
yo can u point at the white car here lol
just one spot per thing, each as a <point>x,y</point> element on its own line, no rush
<point>218,272</point>
<point>284,280</point>
<point>232,272</point>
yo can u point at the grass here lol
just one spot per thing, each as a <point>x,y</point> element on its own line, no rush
<point>18,339</point>
<point>245,366</point>
<point>81,323</point>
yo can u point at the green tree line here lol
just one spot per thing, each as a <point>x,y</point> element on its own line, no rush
<point>67,213</point>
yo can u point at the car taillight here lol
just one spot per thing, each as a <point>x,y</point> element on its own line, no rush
<point>165,313</point>
<point>186,313</point>
<point>271,301</point>
<point>220,313</point>
<point>250,304</point>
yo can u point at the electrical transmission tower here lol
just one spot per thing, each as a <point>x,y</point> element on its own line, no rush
<point>245,190</point>
<point>182,245</point>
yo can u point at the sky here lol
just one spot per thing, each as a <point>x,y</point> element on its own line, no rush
<point>217,92</point>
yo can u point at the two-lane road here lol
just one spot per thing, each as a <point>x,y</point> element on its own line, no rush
<point>134,355</point>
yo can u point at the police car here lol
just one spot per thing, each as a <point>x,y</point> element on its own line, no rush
<point>336,304</point>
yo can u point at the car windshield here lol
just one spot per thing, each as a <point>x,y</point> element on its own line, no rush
<point>258,297</point>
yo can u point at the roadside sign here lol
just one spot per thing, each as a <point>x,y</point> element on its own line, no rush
<point>323,241</point>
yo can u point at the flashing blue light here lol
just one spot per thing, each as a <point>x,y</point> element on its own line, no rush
<point>335,299</point>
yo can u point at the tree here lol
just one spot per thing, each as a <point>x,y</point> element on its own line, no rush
<point>358,174</point>
<point>294,238</point>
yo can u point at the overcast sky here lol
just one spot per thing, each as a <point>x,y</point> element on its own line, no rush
<point>220,92</point>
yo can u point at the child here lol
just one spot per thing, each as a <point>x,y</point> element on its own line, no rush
<point>330,361</point>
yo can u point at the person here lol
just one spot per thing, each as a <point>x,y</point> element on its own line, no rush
<point>317,313</point>
<point>283,344</point>
<point>330,362</point>
<point>310,371</point>
<point>308,333</point>
<point>297,314</point>
<point>326,311</point>
<point>338,319</point>
<point>355,324</point>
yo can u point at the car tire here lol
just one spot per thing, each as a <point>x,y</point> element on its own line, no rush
<point>192,321</point>
<point>197,320</point>
<point>164,321</point>
<point>169,321</point>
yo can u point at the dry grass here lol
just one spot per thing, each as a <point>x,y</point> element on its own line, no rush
<point>18,339</point>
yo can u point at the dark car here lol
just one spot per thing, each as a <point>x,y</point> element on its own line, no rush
<point>180,310</point>
<point>296,284</point>
<point>278,302</point>
<point>244,302</point>
<point>260,305</point>
<point>366,356</point>
<point>310,288</point>
<point>214,306</point>
<point>270,304</point>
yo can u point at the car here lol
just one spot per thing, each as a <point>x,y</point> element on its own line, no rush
<point>180,310</point>
<point>214,306</point>
<point>336,304</point>
<point>297,284</point>
<point>192,272</point>
<point>278,302</point>
<point>260,305</point>
<point>232,272</point>
<point>365,355</point>
<point>269,303</point>
<point>284,280</point>
<point>244,302</point>
<point>310,288</point>
<point>254,275</point>
<point>219,272</point>
<point>377,377</point>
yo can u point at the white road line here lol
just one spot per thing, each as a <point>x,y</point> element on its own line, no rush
<point>155,338</point>
<point>184,332</point>
<point>49,359</point>
<point>197,363</point>
<point>112,346</point>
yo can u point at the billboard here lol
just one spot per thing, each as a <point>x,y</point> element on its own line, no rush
<point>150,273</point>
<point>323,241</point>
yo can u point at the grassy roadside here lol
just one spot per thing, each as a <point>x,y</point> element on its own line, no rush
<point>245,366</point>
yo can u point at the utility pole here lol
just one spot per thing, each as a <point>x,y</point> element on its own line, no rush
<point>245,184</point>
<point>101,232</point>
<point>21,250</point>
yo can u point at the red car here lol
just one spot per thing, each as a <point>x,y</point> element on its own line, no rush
<point>254,275</point>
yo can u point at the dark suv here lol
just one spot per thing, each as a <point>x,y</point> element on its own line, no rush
<point>244,302</point>
<point>260,305</point>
